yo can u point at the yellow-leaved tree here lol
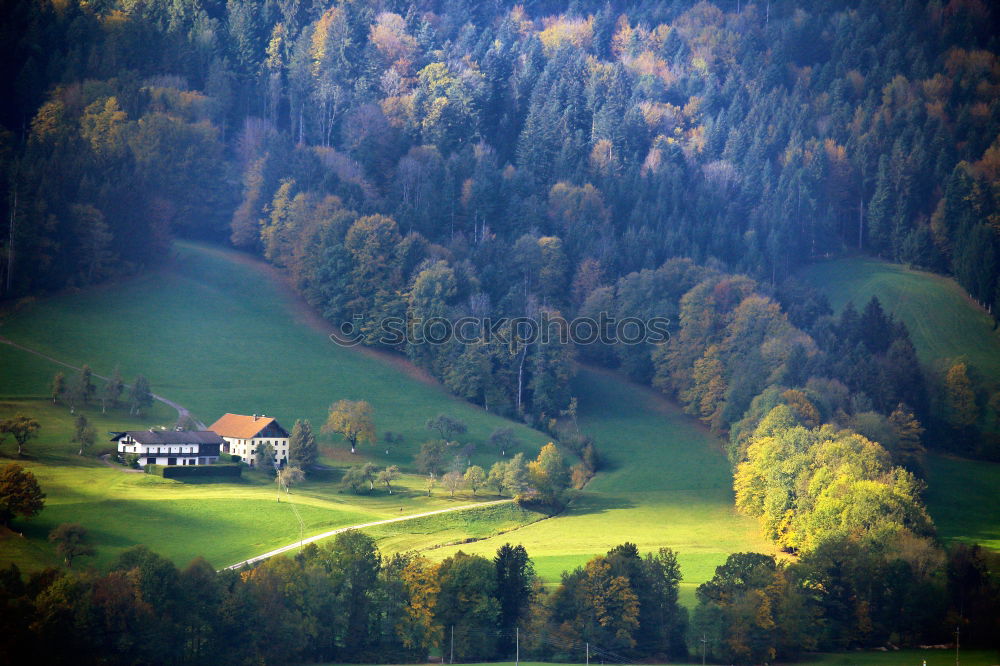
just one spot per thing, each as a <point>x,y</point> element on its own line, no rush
<point>354,420</point>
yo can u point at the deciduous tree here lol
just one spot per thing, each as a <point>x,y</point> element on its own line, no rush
<point>19,493</point>
<point>352,420</point>
<point>69,539</point>
<point>22,427</point>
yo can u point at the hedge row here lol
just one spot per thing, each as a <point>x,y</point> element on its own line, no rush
<point>194,471</point>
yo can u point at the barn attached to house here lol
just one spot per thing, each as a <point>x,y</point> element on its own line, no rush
<point>170,447</point>
<point>243,434</point>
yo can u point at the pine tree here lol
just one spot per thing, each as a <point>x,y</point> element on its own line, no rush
<point>302,451</point>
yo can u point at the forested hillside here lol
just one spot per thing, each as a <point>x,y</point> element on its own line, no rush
<point>428,159</point>
<point>406,161</point>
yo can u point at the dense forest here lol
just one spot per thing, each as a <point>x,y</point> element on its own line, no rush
<point>677,160</point>
<point>448,159</point>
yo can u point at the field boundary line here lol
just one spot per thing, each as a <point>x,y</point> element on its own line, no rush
<point>361,526</point>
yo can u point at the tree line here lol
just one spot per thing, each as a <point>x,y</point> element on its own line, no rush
<point>346,602</point>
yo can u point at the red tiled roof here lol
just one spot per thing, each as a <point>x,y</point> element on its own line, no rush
<point>241,426</point>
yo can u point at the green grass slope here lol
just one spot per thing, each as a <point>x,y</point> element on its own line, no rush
<point>943,323</point>
<point>225,522</point>
<point>217,333</point>
<point>214,331</point>
<point>962,498</point>
<point>668,484</point>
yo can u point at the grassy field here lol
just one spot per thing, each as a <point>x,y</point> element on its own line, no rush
<point>962,498</point>
<point>224,522</point>
<point>668,484</point>
<point>943,322</point>
<point>215,332</point>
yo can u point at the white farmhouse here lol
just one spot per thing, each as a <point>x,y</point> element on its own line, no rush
<point>243,434</point>
<point>170,447</point>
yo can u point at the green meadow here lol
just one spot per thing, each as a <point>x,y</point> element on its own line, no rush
<point>667,484</point>
<point>217,332</point>
<point>224,522</point>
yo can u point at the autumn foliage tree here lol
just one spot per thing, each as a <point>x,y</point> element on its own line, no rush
<point>352,420</point>
<point>20,494</point>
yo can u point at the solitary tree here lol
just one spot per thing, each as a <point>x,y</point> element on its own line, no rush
<point>302,451</point>
<point>354,478</point>
<point>388,475</point>
<point>448,427</point>
<point>19,493</point>
<point>83,434</point>
<point>22,427</point>
<point>69,540</point>
<point>353,420</point>
<point>475,478</point>
<point>961,400</point>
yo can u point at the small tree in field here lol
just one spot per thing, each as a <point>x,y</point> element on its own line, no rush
<point>448,427</point>
<point>22,427</point>
<point>504,440</point>
<point>497,478</point>
<point>58,387</point>
<point>19,493</point>
<point>388,475</point>
<point>354,420</point>
<point>475,478</point>
<point>452,481</point>
<point>69,540</point>
<point>112,393</point>
<point>83,434</point>
<point>288,476</point>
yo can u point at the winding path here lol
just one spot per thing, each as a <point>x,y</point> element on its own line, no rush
<point>324,535</point>
<point>182,412</point>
